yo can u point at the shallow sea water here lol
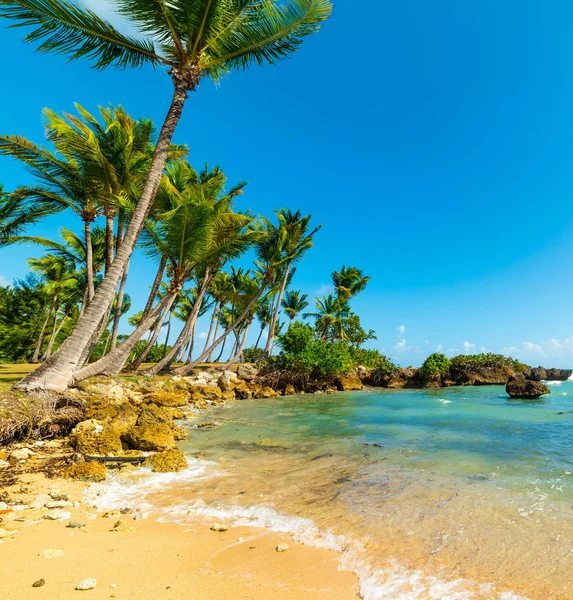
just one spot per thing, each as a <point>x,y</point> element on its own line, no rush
<point>446,494</point>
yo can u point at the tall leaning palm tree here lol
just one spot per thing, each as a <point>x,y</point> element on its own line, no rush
<point>192,41</point>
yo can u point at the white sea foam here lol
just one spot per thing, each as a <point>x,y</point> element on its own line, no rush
<point>394,582</point>
<point>444,401</point>
<point>553,382</point>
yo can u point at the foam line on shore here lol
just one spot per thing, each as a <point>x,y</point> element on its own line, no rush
<point>392,583</point>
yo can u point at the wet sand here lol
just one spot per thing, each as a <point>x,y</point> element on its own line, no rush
<point>156,560</point>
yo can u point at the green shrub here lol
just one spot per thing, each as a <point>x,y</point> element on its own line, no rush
<point>253,355</point>
<point>435,366</point>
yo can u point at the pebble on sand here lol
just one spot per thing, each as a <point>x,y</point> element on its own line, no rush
<point>39,583</point>
<point>87,584</point>
<point>219,527</point>
<point>282,547</point>
<point>51,553</point>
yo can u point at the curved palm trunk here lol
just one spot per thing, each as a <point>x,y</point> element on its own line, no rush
<point>191,347</point>
<point>134,365</point>
<point>211,326</point>
<point>185,334</point>
<point>38,348</point>
<point>89,262</point>
<point>155,287</point>
<point>188,368</point>
<point>275,316</point>
<point>57,372</point>
<point>112,364</point>
<point>119,307</point>
<point>239,353</point>
<point>210,357</point>
<point>259,338</point>
<point>167,336</point>
<point>53,338</point>
<point>218,359</point>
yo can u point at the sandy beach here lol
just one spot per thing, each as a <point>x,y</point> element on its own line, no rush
<point>154,560</point>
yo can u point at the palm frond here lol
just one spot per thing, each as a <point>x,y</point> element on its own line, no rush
<point>77,32</point>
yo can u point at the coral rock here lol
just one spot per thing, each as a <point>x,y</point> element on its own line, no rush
<point>87,471</point>
<point>95,437</point>
<point>171,461</point>
<point>158,437</point>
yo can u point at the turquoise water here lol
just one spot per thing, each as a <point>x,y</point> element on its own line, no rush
<point>449,494</point>
<point>467,432</point>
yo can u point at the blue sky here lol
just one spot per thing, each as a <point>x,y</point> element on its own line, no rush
<point>434,142</point>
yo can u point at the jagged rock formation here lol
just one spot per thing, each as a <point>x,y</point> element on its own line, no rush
<point>520,387</point>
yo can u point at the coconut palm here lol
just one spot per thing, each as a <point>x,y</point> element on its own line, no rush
<point>197,232</point>
<point>294,235</point>
<point>294,303</point>
<point>329,317</point>
<point>348,282</point>
<point>192,41</point>
<point>57,275</point>
<point>16,213</point>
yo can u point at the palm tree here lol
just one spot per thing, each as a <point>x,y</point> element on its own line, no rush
<point>348,282</point>
<point>17,213</point>
<point>329,317</point>
<point>294,303</point>
<point>57,275</point>
<point>197,232</point>
<point>192,40</point>
<point>296,239</point>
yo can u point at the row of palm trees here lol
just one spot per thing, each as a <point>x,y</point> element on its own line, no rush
<point>190,41</point>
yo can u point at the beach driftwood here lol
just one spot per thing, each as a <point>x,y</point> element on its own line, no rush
<point>119,459</point>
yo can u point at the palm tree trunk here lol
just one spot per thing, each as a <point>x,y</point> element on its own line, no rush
<point>57,372</point>
<point>36,355</point>
<point>241,344</point>
<point>188,368</point>
<point>222,350</point>
<point>53,334</point>
<point>260,335</point>
<point>52,340</point>
<point>135,364</point>
<point>211,326</point>
<point>210,357</point>
<point>108,242</point>
<point>167,336</point>
<point>119,307</point>
<point>186,332</point>
<point>275,315</point>
<point>89,262</point>
<point>155,287</point>
<point>112,364</point>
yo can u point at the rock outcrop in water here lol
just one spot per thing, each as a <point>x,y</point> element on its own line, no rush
<point>520,387</point>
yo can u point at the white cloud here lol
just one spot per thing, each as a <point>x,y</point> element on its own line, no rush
<point>400,345</point>
<point>203,335</point>
<point>482,349</point>
<point>439,348</point>
<point>402,330</point>
<point>4,282</point>
<point>324,290</point>
<point>552,352</point>
<point>106,10</point>
<point>469,347</point>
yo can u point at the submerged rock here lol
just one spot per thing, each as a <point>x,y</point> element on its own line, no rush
<point>171,461</point>
<point>519,387</point>
<point>87,471</point>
